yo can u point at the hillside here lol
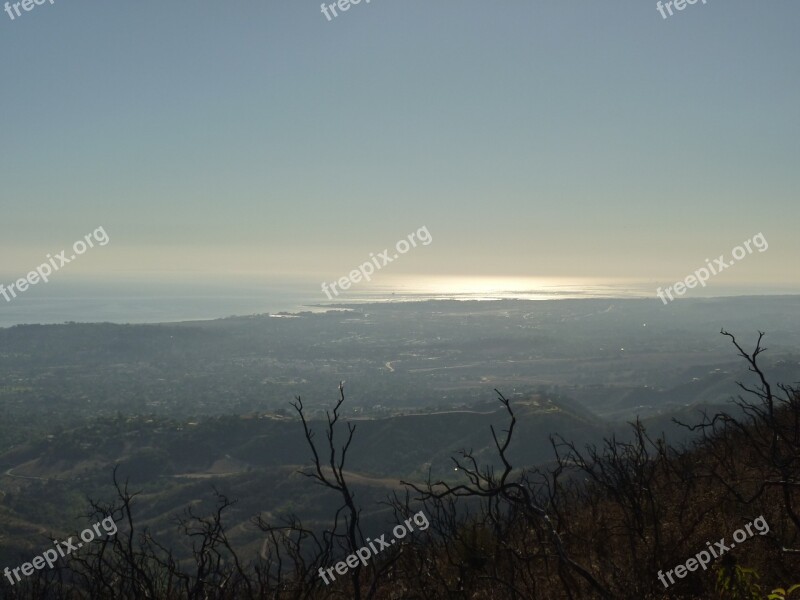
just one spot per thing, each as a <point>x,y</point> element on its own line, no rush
<point>254,459</point>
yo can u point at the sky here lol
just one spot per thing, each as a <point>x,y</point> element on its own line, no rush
<point>247,139</point>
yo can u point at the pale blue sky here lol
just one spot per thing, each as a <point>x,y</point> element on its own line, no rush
<point>532,138</point>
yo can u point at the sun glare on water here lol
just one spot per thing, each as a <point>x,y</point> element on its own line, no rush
<point>493,288</point>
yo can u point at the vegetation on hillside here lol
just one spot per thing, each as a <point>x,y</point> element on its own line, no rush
<point>599,521</point>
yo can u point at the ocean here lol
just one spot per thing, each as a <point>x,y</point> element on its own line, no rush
<point>129,302</point>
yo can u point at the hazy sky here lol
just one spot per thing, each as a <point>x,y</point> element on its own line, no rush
<point>533,138</point>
